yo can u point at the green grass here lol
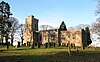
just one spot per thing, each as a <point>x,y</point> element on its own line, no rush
<point>26,54</point>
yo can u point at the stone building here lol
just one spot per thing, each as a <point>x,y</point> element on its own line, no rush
<point>31,27</point>
<point>60,36</point>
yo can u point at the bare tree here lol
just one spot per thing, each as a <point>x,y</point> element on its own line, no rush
<point>46,27</point>
<point>14,27</point>
<point>71,28</point>
<point>80,26</point>
<point>98,7</point>
<point>21,32</point>
<point>95,28</point>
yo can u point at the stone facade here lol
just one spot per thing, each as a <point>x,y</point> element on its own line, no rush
<point>31,27</point>
<point>48,36</point>
<point>63,37</point>
<point>60,36</point>
<point>71,36</point>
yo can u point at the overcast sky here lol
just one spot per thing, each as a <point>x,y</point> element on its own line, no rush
<point>52,12</point>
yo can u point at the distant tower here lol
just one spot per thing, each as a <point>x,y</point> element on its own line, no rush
<point>63,26</point>
<point>31,26</point>
<point>32,23</point>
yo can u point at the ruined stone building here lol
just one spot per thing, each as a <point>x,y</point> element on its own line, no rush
<point>60,36</point>
<point>31,27</point>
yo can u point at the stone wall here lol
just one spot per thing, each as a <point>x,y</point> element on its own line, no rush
<point>71,36</point>
<point>31,27</point>
<point>49,36</point>
<point>63,37</point>
<point>60,36</point>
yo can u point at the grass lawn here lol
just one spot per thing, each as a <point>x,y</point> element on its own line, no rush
<point>26,54</point>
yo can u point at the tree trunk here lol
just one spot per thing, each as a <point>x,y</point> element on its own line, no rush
<point>33,45</point>
<point>2,39</point>
<point>7,41</point>
<point>83,47</point>
<point>22,40</point>
<point>12,40</point>
<point>38,44</point>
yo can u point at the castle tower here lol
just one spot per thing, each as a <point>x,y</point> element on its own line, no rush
<point>32,23</point>
<point>31,27</point>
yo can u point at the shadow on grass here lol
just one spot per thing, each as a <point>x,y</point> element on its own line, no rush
<point>47,57</point>
<point>2,50</point>
<point>54,57</point>
<point>23,48</point>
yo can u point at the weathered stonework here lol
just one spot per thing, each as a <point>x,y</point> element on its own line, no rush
<point>60,36</point>
<point>72,36</point>
<point>49,36</point>
<point>31,27</point>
